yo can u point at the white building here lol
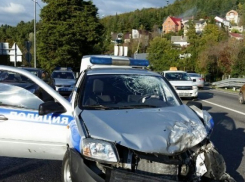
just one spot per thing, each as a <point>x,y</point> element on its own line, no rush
<point>232,16</point>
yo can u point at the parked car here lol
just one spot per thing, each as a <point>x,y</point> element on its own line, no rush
<point>199,79</point>
<point>16,79</point>
<point>64,79</point>
<point>242,95</point>
<point>121,123</point>
<point>183,84</point>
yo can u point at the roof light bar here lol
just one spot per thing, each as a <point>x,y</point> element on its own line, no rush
<point>118,61</point>
<point>139,62</point>
<point>100,60</point>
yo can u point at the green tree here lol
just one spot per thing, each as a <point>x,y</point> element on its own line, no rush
<point>161,55</point>
<point>68,30</point>
<point>193,48</point>
<point>241,11</point>
<point>209,49</point>
<point>238,69</point>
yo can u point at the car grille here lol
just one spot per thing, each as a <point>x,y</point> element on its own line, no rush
<point>126,176</point>
<point>156,169</point>
<point>183,87</point>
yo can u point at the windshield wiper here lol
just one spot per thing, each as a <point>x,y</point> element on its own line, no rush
<point>101,107</point>
<point>96,107</point>
<point>142,106</point>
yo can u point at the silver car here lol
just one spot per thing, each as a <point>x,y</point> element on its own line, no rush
<point>64,80</point>
<point>199,79</point>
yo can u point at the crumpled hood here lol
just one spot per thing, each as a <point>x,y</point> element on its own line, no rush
<point>162,130</point>
<point>60,81</point>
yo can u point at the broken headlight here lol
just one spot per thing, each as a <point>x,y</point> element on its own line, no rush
<point>201,168</point>
<point>99,150</point>
<point>206,118</point>
<point>208,121</point>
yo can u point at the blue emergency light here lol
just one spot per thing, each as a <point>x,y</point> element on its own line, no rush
<point>139,62</point>
<point>119,61</point>
<point>101,60</point>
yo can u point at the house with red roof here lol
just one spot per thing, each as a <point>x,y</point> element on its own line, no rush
<point>237,36</point>
<point>172,24</point>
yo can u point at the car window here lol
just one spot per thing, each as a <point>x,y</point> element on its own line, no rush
<point>17,97</point>
<point>118,91</point>
<point>7,76</point>
<point>16,81</point>
<point>63,75</point>
<point>177,76</point>
<point>194,75</point>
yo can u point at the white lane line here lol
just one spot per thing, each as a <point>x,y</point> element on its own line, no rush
<point>224,107</point>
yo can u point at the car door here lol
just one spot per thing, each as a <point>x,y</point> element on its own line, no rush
<point>25,133</point>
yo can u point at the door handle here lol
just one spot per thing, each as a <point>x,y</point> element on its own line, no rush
<point>3,118</point>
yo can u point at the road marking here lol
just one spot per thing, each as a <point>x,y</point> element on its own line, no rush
<point>224,107</point>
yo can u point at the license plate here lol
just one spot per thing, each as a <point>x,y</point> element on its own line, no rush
<point>64,89</point>
<point>184,94</point>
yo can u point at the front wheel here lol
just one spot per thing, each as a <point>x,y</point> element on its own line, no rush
<point>227,178</point>
<point>66,170</point>
<point>224,178</point>
<point>241,98</point>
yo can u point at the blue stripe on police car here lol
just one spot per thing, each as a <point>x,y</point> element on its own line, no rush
<point>33,116</point>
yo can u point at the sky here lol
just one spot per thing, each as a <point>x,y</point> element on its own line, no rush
<point>13,12</point>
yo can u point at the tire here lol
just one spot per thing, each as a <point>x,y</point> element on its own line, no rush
<point>241,98</point>
<point>66,172</point>
<point>227,178</point>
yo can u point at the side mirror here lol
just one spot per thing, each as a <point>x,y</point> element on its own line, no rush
<point>50,107</point>
<point>197,104</point>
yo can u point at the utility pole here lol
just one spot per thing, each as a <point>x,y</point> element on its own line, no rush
<point>35,57</point>
<point>15,54</point>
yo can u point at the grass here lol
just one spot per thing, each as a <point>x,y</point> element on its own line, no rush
<point>228,89</point>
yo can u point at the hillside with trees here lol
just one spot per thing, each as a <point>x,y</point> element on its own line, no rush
<point>69,30</point>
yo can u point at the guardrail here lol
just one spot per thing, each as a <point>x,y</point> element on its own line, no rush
<point>230,83</point>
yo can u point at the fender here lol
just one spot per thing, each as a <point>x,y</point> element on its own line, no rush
<point>80,172</point>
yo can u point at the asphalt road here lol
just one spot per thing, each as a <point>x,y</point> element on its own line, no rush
<point>229,130</point>
<point>228,136</point>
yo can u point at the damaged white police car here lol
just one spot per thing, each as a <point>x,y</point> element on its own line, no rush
<point>122,123</point>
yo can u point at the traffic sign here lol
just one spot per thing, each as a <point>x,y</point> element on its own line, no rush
<point>15,54</point>
<point>28,57</point>
<point>28,45</point>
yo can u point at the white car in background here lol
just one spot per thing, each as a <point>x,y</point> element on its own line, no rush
<point>183,84</point>
<point>199,79</point>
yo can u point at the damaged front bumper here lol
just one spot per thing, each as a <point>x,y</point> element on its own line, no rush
<point>116,175</point>
<point>201,163</point>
